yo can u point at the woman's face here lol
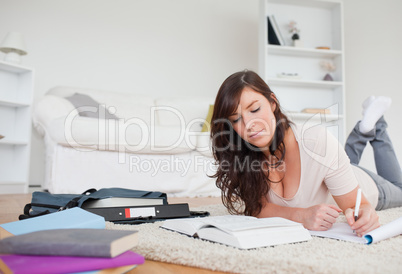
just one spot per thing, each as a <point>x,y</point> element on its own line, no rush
<point>254,119</point>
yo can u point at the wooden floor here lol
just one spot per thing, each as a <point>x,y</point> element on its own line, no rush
<point>12,205</point>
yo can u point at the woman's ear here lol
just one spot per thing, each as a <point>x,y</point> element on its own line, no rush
<point>273,102</point>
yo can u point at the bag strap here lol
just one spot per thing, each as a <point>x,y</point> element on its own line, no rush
<point>28,215</point>
<point>75,201</point>
<point>89,191</point>
<point>72,203</point>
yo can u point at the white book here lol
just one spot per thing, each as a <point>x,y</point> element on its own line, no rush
<point>122,202</point>
<point>342,231</point>
<point>243,232</point>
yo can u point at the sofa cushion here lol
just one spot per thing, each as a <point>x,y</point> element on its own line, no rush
<point>118,135</point>
<point>207,124</point>
<point>88,107</point>
<point>127,105</point>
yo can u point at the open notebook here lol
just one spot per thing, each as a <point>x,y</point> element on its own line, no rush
<point>342,231</point>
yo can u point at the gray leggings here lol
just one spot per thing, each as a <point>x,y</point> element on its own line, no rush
<point>389,176</point>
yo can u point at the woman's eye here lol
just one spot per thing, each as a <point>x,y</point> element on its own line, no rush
<point>253,111</point>
<point>235,121</point>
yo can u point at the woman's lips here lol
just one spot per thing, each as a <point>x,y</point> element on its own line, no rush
<point>253,135</point>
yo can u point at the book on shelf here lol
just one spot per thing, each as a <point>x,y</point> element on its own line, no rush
<point>278,33</point>
<point>243,232</point>
<point>71,242</point>
<point>67,264</point>
<point>121,202</point>
<point>69,218</point>
<point>317,110</point>
<point>342,231</point>
<point>273,38</point>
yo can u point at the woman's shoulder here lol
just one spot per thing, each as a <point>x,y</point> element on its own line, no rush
<point>315,138</point>
<point>305,131</point>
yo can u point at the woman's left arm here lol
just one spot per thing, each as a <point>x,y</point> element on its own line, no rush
<point>367,218</point>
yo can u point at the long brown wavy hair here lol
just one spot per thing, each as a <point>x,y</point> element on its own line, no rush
<point>243,189</point>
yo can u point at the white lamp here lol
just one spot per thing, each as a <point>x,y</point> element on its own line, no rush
<point>14,46</point>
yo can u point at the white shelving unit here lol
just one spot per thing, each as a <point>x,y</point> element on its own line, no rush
<point>16,89</point>
<point>321,25</point>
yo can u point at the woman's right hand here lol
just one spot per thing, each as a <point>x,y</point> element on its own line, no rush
<point>320,217</point>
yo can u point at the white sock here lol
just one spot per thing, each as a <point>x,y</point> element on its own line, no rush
<point>367,102</point>
<point>373,109</point>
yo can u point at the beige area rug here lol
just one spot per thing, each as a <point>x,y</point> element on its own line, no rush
<point>318,255</point>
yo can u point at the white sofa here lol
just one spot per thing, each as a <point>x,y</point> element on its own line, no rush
<point>151,143</point>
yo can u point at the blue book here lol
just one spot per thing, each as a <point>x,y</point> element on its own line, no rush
<point>70,218</point>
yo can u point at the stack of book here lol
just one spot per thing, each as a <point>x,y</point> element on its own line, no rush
<point>68,241</point>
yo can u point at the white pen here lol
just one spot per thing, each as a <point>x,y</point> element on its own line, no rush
<point>358,201</point>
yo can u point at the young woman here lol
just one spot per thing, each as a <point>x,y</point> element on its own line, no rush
<point>268,166</point>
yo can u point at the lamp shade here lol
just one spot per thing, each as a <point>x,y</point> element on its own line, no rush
<point>14,42</point>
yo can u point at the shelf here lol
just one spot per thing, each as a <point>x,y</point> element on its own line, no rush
<point>10,182</point>
<point>328,4</point>
<point>13,186</point>
<point>8,103</point>
<point>303,83</point>
<point>12,142</point>
<point>313,116</point>
<point>16,89</point>
<point>303,52</point>
<point>15,68</point>
<point>321,24</point>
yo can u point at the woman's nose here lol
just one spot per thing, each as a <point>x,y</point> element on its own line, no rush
<point>248,122</point>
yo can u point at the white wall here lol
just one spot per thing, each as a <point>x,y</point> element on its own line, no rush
<point>187,47</point>
<point>373,49</point>
<point>159,47</point>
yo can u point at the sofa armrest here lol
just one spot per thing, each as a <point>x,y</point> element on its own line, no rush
<point>48,109</point>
